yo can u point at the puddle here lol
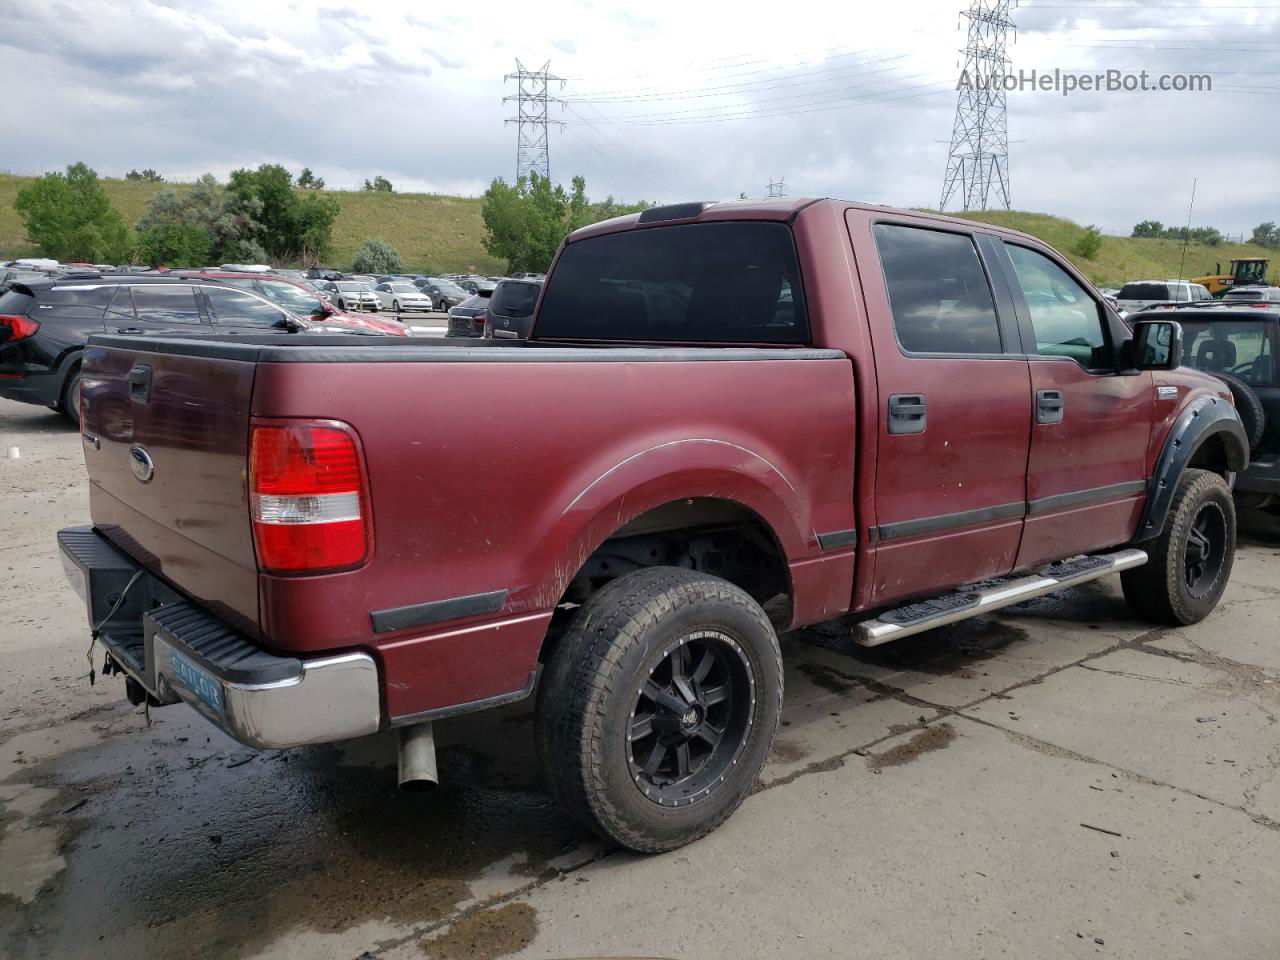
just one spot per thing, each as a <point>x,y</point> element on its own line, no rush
<point>192,846</point>
<point>938,737</point>
<point>496,932</point>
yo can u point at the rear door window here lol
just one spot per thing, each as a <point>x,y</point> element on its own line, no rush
<point>164,303</point>
<point>736,282</point>
<point>938,291</point>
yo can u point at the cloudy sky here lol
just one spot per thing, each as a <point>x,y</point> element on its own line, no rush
<point>666,100</point>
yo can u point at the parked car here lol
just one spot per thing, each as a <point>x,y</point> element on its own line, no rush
<point>466,320</point>
<point>510,312</point>
<point>1140,294</point>
<point>400,296</point>
<point>45,323</point>
<point>352,295</point>
<point>1238,342</point>
<point>445,294</point>
<point>724,431</point>
<point>298,298</point>
<point>1254,293</point>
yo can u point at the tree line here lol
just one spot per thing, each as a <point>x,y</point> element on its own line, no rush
<point>1265,234</point>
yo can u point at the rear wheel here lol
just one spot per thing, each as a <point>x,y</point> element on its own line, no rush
<point>71,397</point>
<point>658,707</point>
<point>1190,562</point>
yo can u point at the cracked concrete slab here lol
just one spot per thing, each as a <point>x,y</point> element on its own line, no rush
<point>1199,728</point>
<point>974,849</point>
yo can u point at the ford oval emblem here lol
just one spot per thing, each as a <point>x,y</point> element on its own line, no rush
<point>144,468</point>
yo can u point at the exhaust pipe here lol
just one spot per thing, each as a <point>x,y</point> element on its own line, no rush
<point>418,759</point>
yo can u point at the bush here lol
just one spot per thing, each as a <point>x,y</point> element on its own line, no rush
<point>70,217</point>
<point>1089,243</point>
<point>376,257</point>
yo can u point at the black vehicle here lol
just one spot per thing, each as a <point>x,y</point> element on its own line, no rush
<point>445,294</point>
<point>1239,342</point>
<point>467,319</point>
<point>510,313</point>
<point>45,323</point>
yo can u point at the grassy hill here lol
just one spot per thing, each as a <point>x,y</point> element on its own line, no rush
<point>430,231</point>
<point>1124,258</point>
<point>444,234</point>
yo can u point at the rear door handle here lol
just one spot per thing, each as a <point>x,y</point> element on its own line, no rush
<point>129,330</point>
<point>1049,406</point>
<point>140,383</point>
<point>908,413</point>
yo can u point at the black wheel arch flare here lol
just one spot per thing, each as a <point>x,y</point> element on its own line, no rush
<point>1205,417</point>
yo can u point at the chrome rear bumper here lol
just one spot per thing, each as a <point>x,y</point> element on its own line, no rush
<point>177,651</point>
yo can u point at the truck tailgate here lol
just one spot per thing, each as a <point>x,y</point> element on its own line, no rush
<point>165,442</point>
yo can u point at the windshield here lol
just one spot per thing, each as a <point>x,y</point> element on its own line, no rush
<point>449,288</point>
<point>354,287</point>
<point>735,282</point>
<point>293,299</point>
<point>404,288</point>
<point>1246,348</point>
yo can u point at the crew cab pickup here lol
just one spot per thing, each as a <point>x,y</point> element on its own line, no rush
<point>729,420</point>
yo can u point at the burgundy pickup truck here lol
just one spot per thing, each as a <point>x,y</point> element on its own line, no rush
<point>730,420</point>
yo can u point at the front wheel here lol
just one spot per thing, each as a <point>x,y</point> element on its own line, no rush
<point>1190,562</point>
<point>658,707</point>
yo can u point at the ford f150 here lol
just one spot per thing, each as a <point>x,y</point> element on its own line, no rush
<point>729,419</point>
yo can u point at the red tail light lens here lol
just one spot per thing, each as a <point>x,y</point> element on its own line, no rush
<point>310,503</point>
<point>16,327</point>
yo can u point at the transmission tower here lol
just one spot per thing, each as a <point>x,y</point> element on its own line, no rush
<point>778,188</point>
<point>532,99</point>
<point>978,163</point>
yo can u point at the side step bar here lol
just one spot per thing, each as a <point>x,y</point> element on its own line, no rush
<point>948,608</point>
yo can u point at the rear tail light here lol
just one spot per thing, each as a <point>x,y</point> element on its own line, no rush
<point>16,327</point>
<point>310,499</point>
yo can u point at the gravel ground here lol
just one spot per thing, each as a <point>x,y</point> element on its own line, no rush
<point>1060,780</point>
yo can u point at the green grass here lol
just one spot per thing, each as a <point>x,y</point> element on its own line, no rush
<point>444,234</point>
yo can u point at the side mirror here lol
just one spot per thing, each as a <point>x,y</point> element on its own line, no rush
<point>1157,345</point>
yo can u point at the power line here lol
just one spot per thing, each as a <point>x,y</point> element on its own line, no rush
<point>978,161</point>
<point>533,154</point>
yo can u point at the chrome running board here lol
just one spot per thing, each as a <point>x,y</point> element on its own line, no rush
<point>948,608</point>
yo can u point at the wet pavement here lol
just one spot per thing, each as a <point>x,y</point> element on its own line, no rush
<point>1057,780</point>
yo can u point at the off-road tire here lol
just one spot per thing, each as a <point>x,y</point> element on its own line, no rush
<point>70,403</point>
<point>589,689</point>
<point>1159,589</point>
<point>1252,414</point>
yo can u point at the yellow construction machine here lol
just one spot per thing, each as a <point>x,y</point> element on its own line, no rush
<point>1248,270</point>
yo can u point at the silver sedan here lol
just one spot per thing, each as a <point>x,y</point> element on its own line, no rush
<point>399,297</point>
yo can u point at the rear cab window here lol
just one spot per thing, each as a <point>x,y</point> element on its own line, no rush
<point>1144,291</point>
<point>728,282</point>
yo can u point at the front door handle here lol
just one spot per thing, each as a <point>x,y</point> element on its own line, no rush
<point>128,330</point>
<point>1049,406</point>
<point>908,413</point>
